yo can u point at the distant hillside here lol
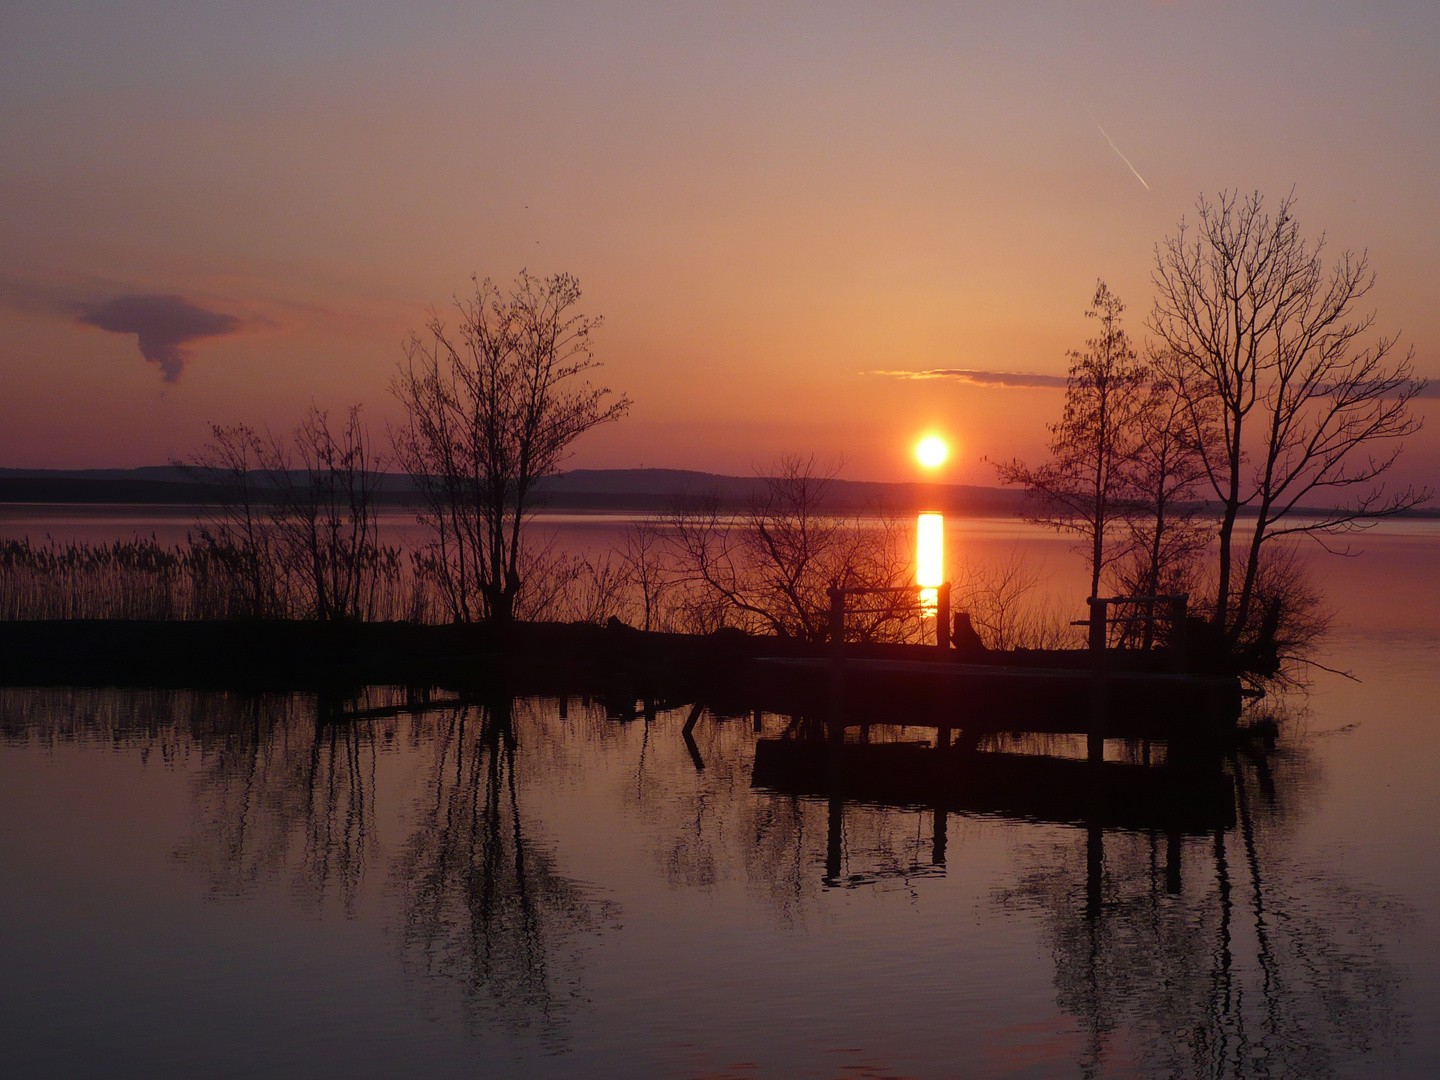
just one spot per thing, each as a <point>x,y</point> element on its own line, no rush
<point>661,489</point>
<point>616,490</point>
<point>579,489</point>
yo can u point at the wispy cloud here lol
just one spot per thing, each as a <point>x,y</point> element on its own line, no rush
<point>980,378</point>
<point>164,327</point>
<point>1031,380</point>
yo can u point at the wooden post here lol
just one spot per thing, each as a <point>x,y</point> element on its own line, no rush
<point>834,838</point>
<point>688,734</point>
<point>942,616</point>
<point>1097,623</point>
<point>1172,862</point>
<point>694,716</point>
<point>837,619</point>
<point>835,721</point>
<point>695,757</point>
<point>1095,739</point>
<point>1099,703</point>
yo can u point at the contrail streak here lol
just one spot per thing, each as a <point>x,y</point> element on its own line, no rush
<point>1123,158</point>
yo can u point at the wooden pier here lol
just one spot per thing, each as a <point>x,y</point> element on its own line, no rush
<point>983,699</point>
<point>1178,797</point>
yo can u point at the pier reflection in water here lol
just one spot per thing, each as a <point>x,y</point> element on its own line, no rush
<point>1195,943</point>
<point>1189,945</point>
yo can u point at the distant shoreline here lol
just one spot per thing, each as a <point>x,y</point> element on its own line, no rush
<point>596,490</point>
<point>653,491</point>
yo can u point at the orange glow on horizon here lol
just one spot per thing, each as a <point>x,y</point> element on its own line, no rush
<point>793,261</point>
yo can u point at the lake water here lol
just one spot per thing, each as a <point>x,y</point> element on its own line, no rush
<point>216,885</point>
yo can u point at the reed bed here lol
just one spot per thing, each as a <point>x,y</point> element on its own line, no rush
<point>144,579</point>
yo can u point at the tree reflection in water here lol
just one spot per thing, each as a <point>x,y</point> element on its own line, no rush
<point>1227,954</point>
<point>281,795</point>
<point>483,910</point>
<point>483,906</point>
<point>275,795</point>
<point>1223,955</point>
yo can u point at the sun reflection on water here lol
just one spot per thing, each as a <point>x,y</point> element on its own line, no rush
<point>930,559</point>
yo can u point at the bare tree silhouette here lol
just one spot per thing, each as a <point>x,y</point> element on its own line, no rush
<point>1084,485</point>
<point>490,412</point>
<point>1291,399</point>
<point>767,569</point>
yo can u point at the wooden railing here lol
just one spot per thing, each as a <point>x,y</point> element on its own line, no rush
<point>1147,613</point>
<point>840,606</point>
<point>1144,612</point>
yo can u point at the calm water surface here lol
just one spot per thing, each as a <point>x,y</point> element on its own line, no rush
<point>208,884</point>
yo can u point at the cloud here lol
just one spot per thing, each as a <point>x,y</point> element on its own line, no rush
<point>164,326</point>
<point>981,378</point>
<point>1025,379</point>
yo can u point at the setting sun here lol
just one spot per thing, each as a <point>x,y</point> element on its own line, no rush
<point>931,452</point>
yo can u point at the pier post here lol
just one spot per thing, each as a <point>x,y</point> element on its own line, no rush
<point>939,837</point>
<point>834,839</point>
<point>836,719</point>
<point>1095,737</point>
<point>1097,623</point>
<point>693,718</point>
<point>694,750</point>
<point>1172,862</point>
<point>1099,705</point>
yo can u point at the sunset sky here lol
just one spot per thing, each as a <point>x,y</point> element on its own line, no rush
<point>221,212</point>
